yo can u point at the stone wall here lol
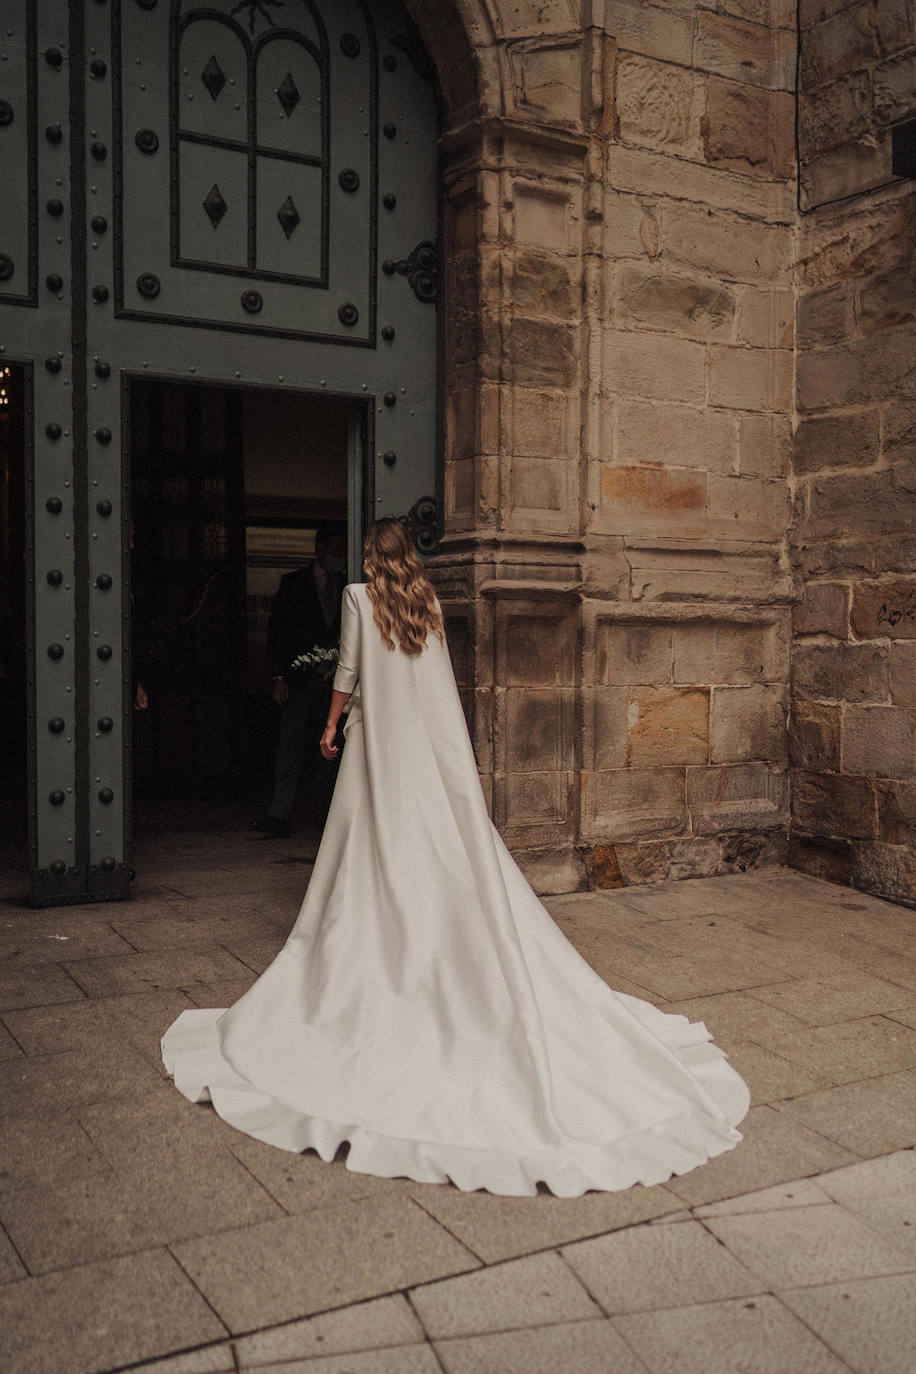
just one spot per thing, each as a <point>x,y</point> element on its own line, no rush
<point>853,730</point>
<point>619,227</point>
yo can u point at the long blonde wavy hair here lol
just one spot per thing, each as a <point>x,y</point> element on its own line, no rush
<point>403,602</point>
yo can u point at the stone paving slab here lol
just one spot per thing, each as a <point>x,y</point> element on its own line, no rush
<point>775,1149</point>
<point>44,1148</point>
<point>751,1335</point>
<point>870,1118</point>
<point>650,1267</point>
<point>771,1077</point>
<point>587,1347</point>
<point>500,1228</point>
<point>34,938</point>
<point>136,1019</point>
<point>105,1215</point>
<point>9,1047</point>
<point>870,1323</point>
<point>37,986</point>
<point>102,1316</point>
<point>326,1258</point>
<point>848,1051</point>
<point>192,929</point>
<point>45,1081</point>
<point>181,968</point>
<point>538,1290</point>
<point>373,1325</point>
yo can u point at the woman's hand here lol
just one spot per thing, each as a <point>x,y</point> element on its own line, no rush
<point>329,750</point>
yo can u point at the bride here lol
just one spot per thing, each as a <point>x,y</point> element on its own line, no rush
<point>425,1006</point>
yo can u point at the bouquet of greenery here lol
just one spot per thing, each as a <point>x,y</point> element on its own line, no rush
<point>320,661</point>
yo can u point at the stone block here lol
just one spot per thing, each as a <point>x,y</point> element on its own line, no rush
<point>634,653</point>
<point>894,84</point>
<point>838,113</point>
<point>644,365</point>
<point>727,652</point>
<point>540,493</point>
<point>735,249</point>
<point>881,501</point>
<point>631,803</point>
<point>519,18</point>
<point>879,741</point>
<point>744,52</point>
<point>823,609</point>
<point>526,799</point>
<point>846,171</point>
<point>668,725</point>
<point>645,500</point>
<point>553,870</point>
<point>822,856</point>
<point>750,378</point>
<point>544,285</point>
<point>896,812</point>
<point>542,217</point>
<point>886,869</point>
<point>549,77</point>
<point>605,745</point>
<point>540,424</point>
<point>747,723</point>
<point>764,445</point>
<point>748,129</point>
<point>537,730</point>
<point>873,240</point>
<point>675,436</point>
<point>766,319</point>
<point>902,661</point>
<point>833,804</point>
<point>885,300</point>
<point>675,303</point>
<point>900,432</point>
<point>657,105</point>
<point>814,736</point>
<point>778,14</point>
<point>746,796</point>
<point>895,553</point>
<point>832,558</point>
<point>885,609</point>
<point>534,649</point>
<point>647,173</point>
<point>834,441</point>
<point>840,672</point>
<point>642,28</point>
<point>541,352</point>
<point>748,507</point>
<point>844,42</point>
<point>826,315</point>
<point>630,230</point>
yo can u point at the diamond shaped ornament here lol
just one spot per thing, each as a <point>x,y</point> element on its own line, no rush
<point>213,77</point>
<point>215,205</point>
<point>288,94</point>
<point>288,216</point>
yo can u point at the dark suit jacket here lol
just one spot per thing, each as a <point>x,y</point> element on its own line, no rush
<point>297,622</point>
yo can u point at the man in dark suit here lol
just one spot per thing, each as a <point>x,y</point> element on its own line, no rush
<point>305,613</point>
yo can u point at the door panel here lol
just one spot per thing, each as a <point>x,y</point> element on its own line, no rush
<point>249,190</point>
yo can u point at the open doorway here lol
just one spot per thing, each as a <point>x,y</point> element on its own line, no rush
<point>229,487</point>
<point>15,384</point>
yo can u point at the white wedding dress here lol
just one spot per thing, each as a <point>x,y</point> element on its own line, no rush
<point>425,1007</point>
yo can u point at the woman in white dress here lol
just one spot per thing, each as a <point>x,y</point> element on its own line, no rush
<point>425,1007</point>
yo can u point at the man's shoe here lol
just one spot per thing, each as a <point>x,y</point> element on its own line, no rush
<point>273,826</point>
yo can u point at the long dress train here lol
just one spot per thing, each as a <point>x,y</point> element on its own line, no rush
<point>426,1008</point>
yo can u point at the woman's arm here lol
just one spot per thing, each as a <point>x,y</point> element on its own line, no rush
<point>347,675</point>
<point>329,749</point>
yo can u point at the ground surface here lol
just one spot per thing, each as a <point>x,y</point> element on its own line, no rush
<point>139,1230</point>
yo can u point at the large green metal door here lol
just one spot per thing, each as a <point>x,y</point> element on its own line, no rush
<point>237,192</point>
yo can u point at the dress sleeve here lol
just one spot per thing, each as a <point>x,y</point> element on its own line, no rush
<point>347,675</point>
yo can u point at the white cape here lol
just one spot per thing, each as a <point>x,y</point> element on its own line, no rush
<point>426,1008</point>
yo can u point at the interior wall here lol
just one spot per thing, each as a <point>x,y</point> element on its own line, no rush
<point>853,728</point>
